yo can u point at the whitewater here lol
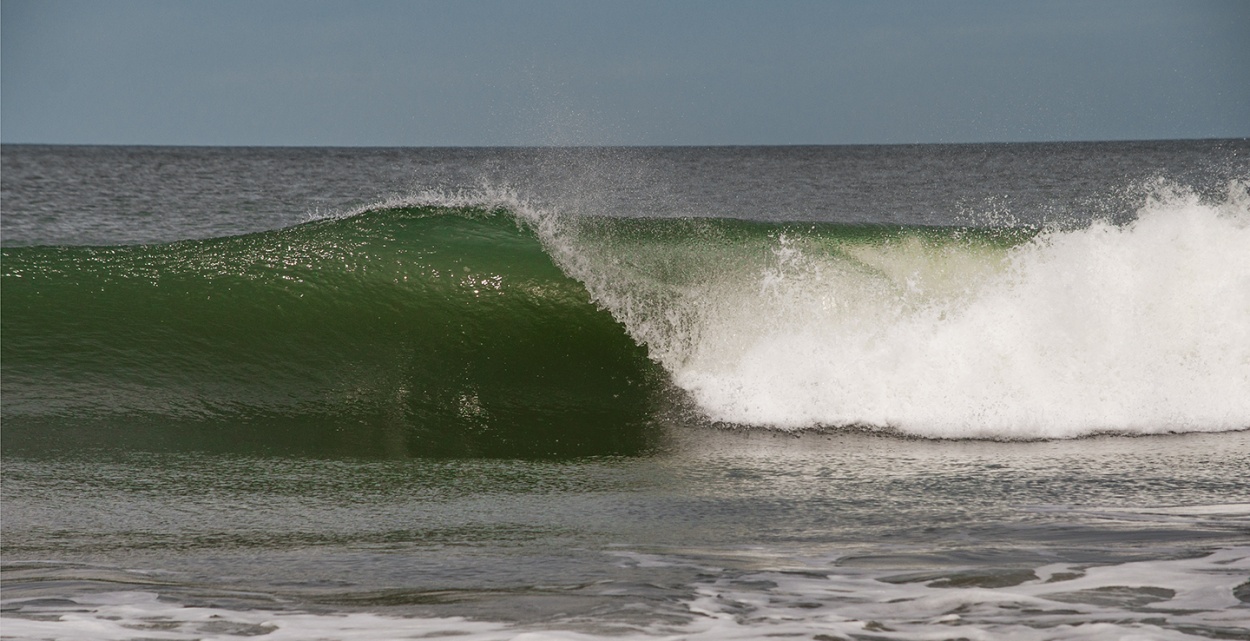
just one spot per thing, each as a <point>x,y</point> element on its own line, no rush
<point>1135,328</point>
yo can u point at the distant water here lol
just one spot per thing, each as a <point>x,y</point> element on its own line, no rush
<point>881,392</point>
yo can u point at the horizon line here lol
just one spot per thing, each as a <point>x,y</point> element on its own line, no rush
<point>620,146</point>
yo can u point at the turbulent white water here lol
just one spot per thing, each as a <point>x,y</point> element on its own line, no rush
<point>1137,328</point>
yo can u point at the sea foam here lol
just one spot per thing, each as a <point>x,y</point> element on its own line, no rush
<point>1155,599</point>
<point>1135,328</point>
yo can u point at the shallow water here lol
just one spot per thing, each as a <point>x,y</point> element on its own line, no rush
<point>726,533</point>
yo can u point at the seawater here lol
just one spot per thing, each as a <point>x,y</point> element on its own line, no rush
<point>976,391</point>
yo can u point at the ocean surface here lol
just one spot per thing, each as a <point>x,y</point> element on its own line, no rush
<point>849,392</point>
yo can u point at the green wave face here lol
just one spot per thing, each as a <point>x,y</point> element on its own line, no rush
<point>401,332</point>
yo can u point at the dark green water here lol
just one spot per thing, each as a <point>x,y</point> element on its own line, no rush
<point>397,333</point>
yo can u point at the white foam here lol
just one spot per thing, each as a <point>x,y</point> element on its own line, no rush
<point>1063,602</point>
<point>120,616</point>
<point>1139,328</point>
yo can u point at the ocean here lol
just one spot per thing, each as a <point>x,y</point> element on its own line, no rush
<point>826,393</point>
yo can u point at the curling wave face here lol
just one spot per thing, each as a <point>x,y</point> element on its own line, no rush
<point>407,331</point>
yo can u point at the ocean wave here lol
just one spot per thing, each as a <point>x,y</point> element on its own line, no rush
<point>480,324</point>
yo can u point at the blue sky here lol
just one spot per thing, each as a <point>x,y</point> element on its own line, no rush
<point>542,72</point>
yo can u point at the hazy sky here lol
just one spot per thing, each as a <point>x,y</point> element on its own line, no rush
<point>364,72</point>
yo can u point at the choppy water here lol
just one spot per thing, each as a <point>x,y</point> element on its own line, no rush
<point>687,393</point>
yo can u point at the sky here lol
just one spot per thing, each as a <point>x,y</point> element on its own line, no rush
<point>563,72</point>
